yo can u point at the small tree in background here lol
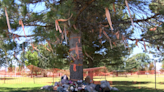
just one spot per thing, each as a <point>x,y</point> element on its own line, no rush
<point>151,66</point>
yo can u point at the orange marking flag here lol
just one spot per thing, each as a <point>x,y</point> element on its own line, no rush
<point>21,23</point>
<point>126,2</point>
<point>108,38</point>
<point>108,18</point>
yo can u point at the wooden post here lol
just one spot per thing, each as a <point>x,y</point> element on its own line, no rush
<point>53,77</point>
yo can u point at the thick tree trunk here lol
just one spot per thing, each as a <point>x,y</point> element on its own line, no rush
<point>76,68</point>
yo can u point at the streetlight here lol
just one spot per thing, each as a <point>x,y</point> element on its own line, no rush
<point>155,59</point>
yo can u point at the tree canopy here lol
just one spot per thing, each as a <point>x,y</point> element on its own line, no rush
<point>84,27</point>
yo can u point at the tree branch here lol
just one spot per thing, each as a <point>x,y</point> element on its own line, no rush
<point>82,9</point>
<point>136,21</point>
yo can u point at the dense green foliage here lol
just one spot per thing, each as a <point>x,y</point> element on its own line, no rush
<point>88,17</point>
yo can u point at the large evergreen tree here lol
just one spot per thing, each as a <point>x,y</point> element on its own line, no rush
<point>85,20</point>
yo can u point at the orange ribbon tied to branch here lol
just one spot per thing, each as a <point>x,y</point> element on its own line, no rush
<point>123,39</point>
<point>126,2</point>
<point>17,36</point>
<point>73,57</point>
<point>45,47</point>
<point>7,19</point>
<point>108,38</point>
<point>137,42</point>
<point>57,23</point>
<point>21,23</point>
<point>158,48</point>
<point>114,8</point>
<point>153,29</point>
<point>57,26</point>
<point>49,45</point>
<point>117,34</point>
<point>108,18</point>
<point>100,31</point>
<point>144,45</point>
<point>13,38</point>
<point>34,47</point>
<point>114,43</point>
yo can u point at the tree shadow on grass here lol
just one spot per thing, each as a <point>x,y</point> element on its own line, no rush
<point>24,89</point>
<point>122,82</point>
<point>8,78</point>
<point>137,89</point>
<point>126,86</point>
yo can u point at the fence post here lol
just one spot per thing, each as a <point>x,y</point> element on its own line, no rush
<point>33,78</point>
<point>5,76</point>
<point>53,78</point>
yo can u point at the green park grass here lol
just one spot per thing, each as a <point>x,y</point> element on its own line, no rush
<point>143,83</point>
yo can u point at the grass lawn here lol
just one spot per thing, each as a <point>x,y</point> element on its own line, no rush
<point>124,84</point>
